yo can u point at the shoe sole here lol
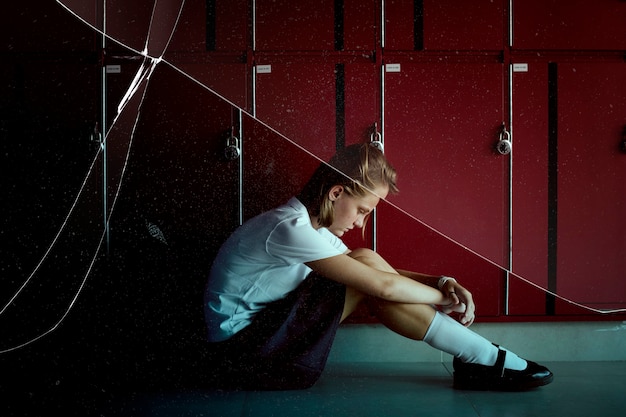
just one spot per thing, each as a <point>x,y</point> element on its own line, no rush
<point>479,384</point>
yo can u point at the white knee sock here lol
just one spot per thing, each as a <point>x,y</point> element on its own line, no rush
<point>450,336</point>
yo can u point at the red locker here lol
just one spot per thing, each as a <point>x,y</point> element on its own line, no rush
<point>227,79</point>
<point>178,169</point>
<point>285,25</point>
<point>569,24</point>
<point>441,125</point>
<point>275,169</point>
<point>591,184</point>
<point>455,25</point>
<point>294,26</point>
<point>590,230</point>
<point>298,100</point>
<point>361,20</point>
<point>412,245</point>
<point>317,87</point>
<point>213,26</point>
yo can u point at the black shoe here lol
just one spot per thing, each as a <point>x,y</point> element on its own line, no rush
<point>471,376</point>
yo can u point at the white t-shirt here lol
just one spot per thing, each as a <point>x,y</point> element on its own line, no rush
<point>261,262</point>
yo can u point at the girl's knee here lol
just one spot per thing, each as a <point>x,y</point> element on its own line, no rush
<point>372,259</point>
<point>364,254</point>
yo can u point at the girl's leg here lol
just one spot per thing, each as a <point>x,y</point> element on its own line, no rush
<point>478,364</point>
<point>409,320</point>
<point>353,299</point>
<point>423,322</point>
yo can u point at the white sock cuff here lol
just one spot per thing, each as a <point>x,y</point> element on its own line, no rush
<point>434,326</point>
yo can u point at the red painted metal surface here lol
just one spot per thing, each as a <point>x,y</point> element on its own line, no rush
<point>298,100</point>
<point>443,111</point>
<point>231,21</point>
<point>592,187</point>
<point>447,25</point>
<point>463,25</point>
<point>530,190</point>
<point>229,80</point>
<point>361,25</point>
<point>399,34</point>
<point>274,169</point>
<point>287,26</point>
<point>409,244</point>
<point>441,125</point>
<point>569,24</point>
<point>591,233</point>
<point>178,169</point>
<point>362,101</point>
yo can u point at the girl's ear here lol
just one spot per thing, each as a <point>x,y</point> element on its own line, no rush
<point>335,192</point>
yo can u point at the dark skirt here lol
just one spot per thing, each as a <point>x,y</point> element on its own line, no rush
<point>286,345</point>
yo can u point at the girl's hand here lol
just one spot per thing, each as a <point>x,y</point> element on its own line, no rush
<point>460,301</point>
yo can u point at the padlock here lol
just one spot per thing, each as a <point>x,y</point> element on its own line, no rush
<point>376,140</point>
<point>232,150</point>
<point>504,145</point>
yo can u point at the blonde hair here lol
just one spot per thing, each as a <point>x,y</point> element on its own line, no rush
<point>358,168</point>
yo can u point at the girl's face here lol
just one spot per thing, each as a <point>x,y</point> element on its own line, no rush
<point>350,212</point>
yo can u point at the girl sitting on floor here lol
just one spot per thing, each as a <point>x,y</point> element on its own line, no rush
<point>284,281</point>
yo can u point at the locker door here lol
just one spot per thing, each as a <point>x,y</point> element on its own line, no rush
<point>567,24</point>
<point>587,231</point>
<point>179,176</point>
<point>302,26</point>
<point>213,26</point>
<point>433,25</point>
<point>274,169</point>
<point>591,254</point>
<point>441,125</point>
<point>325,25</point>
<point>301,100</point>
<point>211,45</point>
<point>226,78</point>
<point>298,99</point>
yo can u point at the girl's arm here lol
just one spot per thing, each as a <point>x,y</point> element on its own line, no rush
<point>457,293</point>
<point>381,284</point>
<point>430,280</point>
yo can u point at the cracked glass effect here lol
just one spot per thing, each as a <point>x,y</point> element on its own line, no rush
<point>145,42</point>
